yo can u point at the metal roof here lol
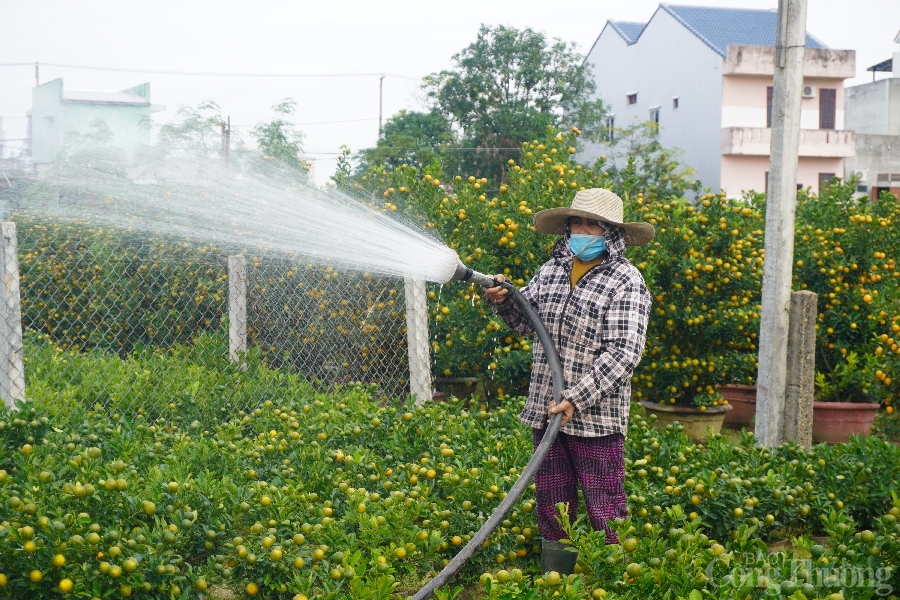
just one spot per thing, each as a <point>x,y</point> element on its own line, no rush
<point>719,27</point>
<point>103,97</point>
<point>629,30</point>
<point>886,66</point>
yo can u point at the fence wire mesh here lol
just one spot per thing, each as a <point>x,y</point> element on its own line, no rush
<point>335,327</point>
<point>130,305</point>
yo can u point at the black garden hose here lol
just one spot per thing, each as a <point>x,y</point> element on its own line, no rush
<point>540,452</point>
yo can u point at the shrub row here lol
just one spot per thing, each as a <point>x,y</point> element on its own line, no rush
<point>704,269</point>
<point>340,496</point>
<point>86,286</point>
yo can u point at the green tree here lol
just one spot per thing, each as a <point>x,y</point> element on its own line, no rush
<point>508,86</point>
<point>409,137</point>
<point>95,147</point>
<point>197,129</point>
<point>637,160</point>
<point>279,139</point>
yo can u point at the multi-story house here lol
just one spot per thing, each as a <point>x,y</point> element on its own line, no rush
<point>705,76</point>
<point>873,112</point>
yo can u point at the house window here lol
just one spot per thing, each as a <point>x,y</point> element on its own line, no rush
<point>611,127</point>
<point>770,95</point>
<point>825,180</point>
<point>654,115</point>
<point>675,102</point>
<point>827,108</point>
<point>631,99</point>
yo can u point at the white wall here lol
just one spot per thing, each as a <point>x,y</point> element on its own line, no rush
<point>666,61</point>
<point>746,173</point>
<point>874,108</point>
<point>47,121</point>
<point>875,154</point>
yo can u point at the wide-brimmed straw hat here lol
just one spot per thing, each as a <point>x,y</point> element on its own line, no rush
<point>599,204</point>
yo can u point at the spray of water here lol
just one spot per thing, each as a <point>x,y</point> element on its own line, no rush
<point>248,204</point>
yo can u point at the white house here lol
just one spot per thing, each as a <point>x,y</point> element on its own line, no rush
<point>873,111</point>
<point>705,75</point>
<point>58,113</point>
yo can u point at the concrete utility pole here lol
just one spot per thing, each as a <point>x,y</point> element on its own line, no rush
<point>781,208</point>
<point>380,102</point>
<point>225,143</point>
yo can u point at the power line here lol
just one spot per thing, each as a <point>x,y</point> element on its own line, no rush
<point>321,122</point>
<point>424,149</point>
<point>209,73</point>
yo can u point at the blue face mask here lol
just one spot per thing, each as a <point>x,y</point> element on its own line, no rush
<point>587,247</point>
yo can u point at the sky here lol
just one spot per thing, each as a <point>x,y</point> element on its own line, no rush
<point>400,38</point>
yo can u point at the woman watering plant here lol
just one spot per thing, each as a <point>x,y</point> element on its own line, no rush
<point>596,305</point>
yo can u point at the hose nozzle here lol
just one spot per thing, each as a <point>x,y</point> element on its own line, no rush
<point>464,273</point>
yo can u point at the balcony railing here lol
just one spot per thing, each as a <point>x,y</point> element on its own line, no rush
<point>755,141</point>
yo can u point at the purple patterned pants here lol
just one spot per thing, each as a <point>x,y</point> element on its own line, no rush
<point>598,464</point>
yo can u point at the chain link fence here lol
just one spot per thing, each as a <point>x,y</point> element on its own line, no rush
<point>140,314</point>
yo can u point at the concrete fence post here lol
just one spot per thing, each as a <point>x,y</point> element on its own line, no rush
<point>12,367</point>
<point>237,307</point>
<point>801,369</point>
<point>417,339</point>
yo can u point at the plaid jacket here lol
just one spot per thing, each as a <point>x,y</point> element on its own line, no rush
<point>599,328</point>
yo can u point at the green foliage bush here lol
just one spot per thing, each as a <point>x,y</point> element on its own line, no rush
<point>704,268</point>
<point>489,225</point>
<point>86,286</point>
<point>343,496</point>
<point>846,252</point>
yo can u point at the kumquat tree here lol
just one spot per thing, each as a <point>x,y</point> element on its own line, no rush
<point>489,225</point>
<point>846,252</point>
<point>704,268</point>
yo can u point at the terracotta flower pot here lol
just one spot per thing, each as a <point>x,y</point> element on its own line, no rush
<point>742,399</point>
<point>835,422</point>
<point>697,423</point>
